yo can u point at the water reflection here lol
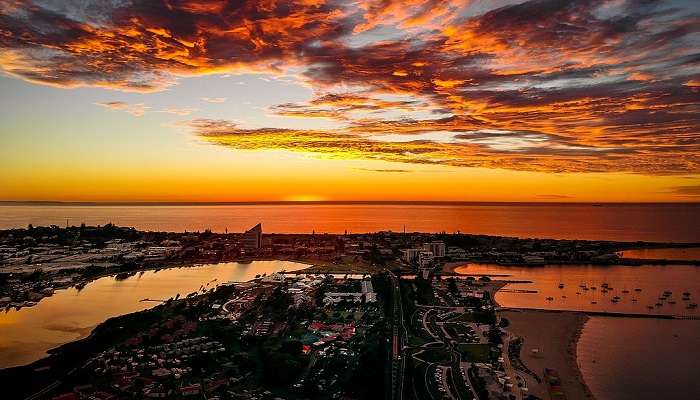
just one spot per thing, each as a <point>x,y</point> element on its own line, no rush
<point>688,254</point>
<point>26,334</point>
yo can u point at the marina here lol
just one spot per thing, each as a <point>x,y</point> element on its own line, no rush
<point>635,314</point>
<point>595,288</point>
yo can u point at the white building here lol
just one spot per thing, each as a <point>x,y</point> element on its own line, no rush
<point>159,252</point>
<point>335,298</point>
<point>366,286</point>
<point>273,278</point>
<point>425,259</point>
<point>368,290</point>
<point>457,253</point>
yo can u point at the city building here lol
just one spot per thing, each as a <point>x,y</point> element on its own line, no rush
<point>410,255</point>
<point>437,248</point>
<point>335,298</point>
<point>252,238</point>
<point>425,259</point>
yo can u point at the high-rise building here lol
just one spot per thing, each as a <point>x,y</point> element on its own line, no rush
<point>410,255</point>
<point>437,248</point>
<point>252,238</point>
<point>425,259</point>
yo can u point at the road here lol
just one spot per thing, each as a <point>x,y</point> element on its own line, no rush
<point>438,334</point>
<point>509,369</point>
<point>449,382</point>
<point>398,362</point>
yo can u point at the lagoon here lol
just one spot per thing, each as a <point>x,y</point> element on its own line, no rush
<point>70,314</point>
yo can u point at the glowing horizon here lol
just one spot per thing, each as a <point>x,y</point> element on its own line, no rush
<point>192,100</point>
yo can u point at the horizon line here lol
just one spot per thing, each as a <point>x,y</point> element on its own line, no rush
<point>328,202</point>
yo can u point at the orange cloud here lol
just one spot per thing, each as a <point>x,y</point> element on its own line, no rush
<point>421,142</point>
<point>590,85</point>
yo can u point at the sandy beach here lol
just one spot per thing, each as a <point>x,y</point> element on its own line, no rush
<point>450,267</point>
<point>555,335</point>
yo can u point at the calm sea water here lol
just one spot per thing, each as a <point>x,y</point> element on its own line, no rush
<point>26,334</point>
<point>652,280</point>
<point>620,358</point>
<point>628,222</point>
<point>640,359</point>
<point>689,254</point>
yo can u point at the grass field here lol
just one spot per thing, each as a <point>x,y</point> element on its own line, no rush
<point>434,355</point>
<point>465,317</point>
<point>417,341</point>
<point>475,352</point>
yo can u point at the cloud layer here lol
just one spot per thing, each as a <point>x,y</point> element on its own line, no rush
<point>545,85</point>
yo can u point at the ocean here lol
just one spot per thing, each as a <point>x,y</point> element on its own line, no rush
<point>621,222</point>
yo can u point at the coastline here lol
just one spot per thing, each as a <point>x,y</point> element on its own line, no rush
<point>311,266</point>
<point>451,267</point>
<point>555,336</point>
<point>306,266</point>
<point>573,352</point>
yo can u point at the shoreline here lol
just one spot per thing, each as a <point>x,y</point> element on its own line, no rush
<point>573,352</point>
<point>174,264</point>
<point>555,337</point>
<point>306,266</point>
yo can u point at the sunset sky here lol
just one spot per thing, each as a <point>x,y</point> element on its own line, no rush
<point>193,100</point>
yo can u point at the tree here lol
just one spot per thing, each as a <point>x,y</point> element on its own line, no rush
<point>292,347</point>
<point>495,335</point>
<point>452,285</point>
<point>281,369</point>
